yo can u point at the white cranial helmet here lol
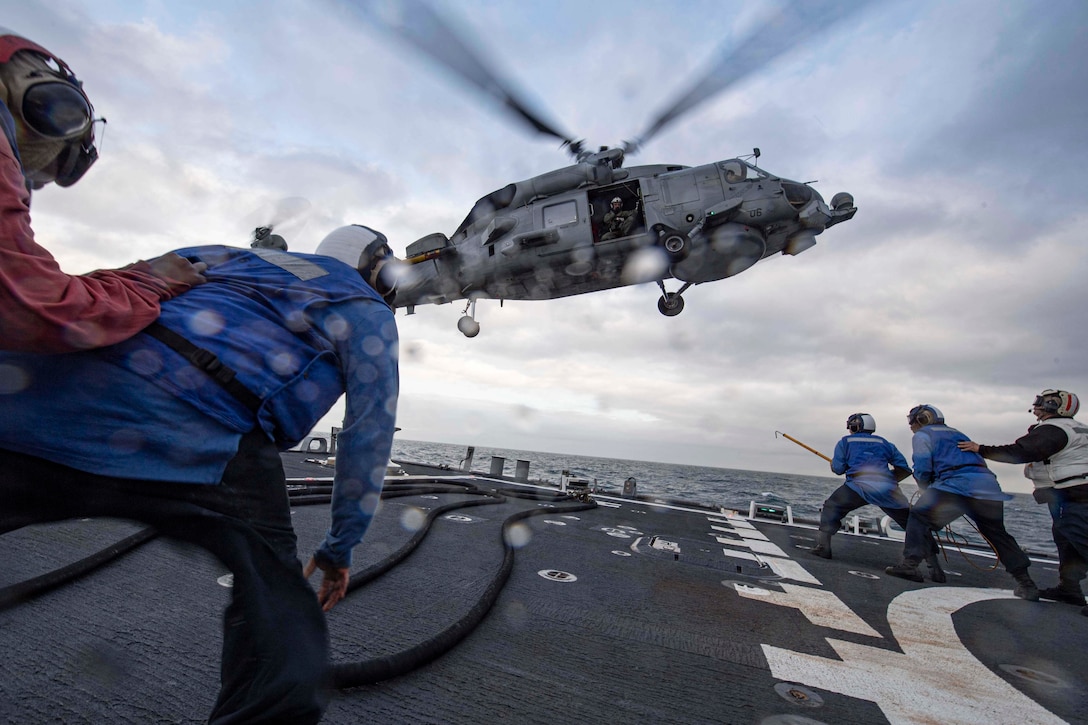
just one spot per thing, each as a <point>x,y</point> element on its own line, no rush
<point>354,245</point>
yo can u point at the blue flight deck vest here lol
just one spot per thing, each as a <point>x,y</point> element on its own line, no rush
<point>938,462</point>
<point>865,459</point>
<point>257,315</point>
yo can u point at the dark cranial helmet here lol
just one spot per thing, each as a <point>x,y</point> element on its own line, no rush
<point>861,422</point>
<point>1058,402</point>
<point>56,138</point>
<point>924,415</point>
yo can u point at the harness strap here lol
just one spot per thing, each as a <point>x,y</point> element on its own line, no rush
<point>207,361</point>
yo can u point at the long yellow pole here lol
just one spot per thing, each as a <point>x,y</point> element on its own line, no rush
<point>807,448</point>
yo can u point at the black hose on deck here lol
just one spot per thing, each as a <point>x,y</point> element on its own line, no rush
<point>368,672</point>
<point>24,590</point>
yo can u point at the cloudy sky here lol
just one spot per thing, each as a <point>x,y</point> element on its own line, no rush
<point>957,126</point>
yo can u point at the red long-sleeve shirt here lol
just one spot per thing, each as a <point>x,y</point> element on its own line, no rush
<point>42,309</point>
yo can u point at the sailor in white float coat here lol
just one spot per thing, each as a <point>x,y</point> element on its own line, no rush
<point>1056,453</point>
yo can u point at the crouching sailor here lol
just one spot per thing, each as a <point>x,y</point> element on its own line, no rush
<point>181,427</point>
<point>873,467</point>
<point>956,483</point>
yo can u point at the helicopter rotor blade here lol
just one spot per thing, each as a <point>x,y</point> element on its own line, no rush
<point>789,27</point>
<point>416,23</point>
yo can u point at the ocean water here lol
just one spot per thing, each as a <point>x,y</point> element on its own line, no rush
<point>731,488</point>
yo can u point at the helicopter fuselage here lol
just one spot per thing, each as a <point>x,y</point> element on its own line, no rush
<point>564,233</point>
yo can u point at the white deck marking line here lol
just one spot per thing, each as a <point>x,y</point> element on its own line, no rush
<point>790,569</point>
<point>760,547</point>
<point>819,606</point>
<point>742,533</point>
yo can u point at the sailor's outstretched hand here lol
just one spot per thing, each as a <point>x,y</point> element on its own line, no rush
<point>334,582</point>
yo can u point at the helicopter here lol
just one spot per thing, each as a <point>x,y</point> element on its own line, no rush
<point>596,225</point>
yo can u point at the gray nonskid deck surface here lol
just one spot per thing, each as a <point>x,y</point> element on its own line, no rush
<point>618,631</point>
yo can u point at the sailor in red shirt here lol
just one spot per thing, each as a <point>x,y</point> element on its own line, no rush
<point>48,135</point>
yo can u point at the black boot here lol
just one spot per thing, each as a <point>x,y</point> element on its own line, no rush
<point>933,560</point>
<point>1025,587</point>
<point>823,545</point>
<point>1066,592</point>
<point>906,569</point>
<point>936,573</point>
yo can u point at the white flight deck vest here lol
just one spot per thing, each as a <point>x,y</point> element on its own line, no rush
<point>1069,466</point>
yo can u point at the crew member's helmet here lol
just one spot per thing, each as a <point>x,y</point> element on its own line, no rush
<point>362,248</point>
<point>617,200</point>
<point>355,245</point>
<point>923,415</point>
<point>861,422</point>
<point>55,136</point>
<point>1057,402</point>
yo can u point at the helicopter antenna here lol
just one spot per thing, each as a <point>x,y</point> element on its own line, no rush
<point>416,23</point>
<point>794,24</point>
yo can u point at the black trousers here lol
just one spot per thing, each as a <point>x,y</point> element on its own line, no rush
<point>1070,531</point>
<point>935,509</point>
<point>275,643</point>
<point>845,499</point>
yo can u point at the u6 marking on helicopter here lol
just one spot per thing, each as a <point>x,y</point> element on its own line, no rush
<point>595,225</point>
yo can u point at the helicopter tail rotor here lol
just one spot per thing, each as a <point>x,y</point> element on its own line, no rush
<point>291,211</point>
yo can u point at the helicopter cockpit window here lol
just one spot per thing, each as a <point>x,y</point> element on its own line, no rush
<point>735,170</point>
<point>557,215</point>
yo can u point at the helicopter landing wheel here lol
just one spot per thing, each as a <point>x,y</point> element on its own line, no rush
<point>468,326</point>
<point>671,304</point>
<point>676,246</point>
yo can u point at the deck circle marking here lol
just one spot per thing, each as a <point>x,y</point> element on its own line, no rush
<point>433,498</point>
<point>553,522</point>
<point>460,518</point>
<point>863,574</point>
<point>227,580</point>
<point>790,720</point>
<point>572,518</point>
<point>617,552</point>
<point>557,576</point>
<point>798,695</point>
<point>747,588</point>
<point>1035,676</point>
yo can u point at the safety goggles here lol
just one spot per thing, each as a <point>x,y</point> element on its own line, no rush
<point>56,109</point>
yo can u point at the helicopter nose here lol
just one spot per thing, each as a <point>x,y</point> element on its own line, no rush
<point>798,195</point>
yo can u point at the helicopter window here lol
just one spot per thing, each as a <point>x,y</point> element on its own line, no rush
<point>735,170</point>
<point>680,189</point>
<point>557,215</point>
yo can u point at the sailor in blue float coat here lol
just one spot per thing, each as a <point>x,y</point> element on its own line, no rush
<point>873,467</point>
<point>956,483</point>
<point>864,458</point>
<point>147,429</point>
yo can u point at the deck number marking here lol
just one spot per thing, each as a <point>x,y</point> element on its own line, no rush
<point>935,679</point>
